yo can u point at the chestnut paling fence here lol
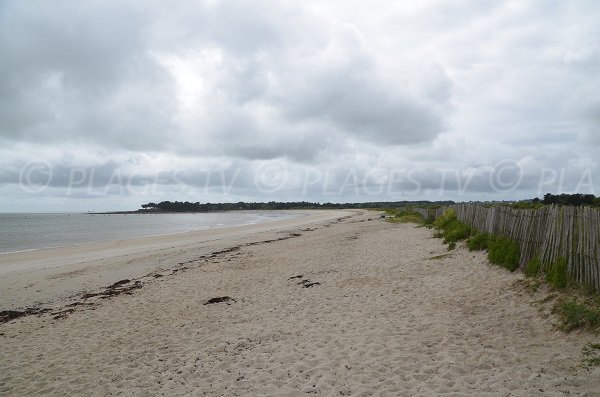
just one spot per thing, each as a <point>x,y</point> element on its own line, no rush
<point>549,233</point>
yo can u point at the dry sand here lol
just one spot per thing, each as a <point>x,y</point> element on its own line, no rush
<point>389,317</point>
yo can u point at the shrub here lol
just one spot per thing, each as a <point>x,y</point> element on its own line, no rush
<point>478,242</point>
<point>525,205</point>
<point>429,221</point>
<point>456,231</point>
<point>576,315</point>
<point>504,252</point>
<point>556,274</point>
<point>533,267</point>
<point>443,221</point>
<point>451,246</point>
<point>450,228</point>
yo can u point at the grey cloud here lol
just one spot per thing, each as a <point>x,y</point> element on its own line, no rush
<point>85,79</point>
<point>307,147</point>
<point>242,135</point>
<point>95,84</point>
<point>75,71</point>
<point>352,102</point>
<point>346,178</point>
<point>245,27</point>
<point>337,86</point>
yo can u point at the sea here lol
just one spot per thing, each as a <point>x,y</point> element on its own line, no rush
<point>25,232</point>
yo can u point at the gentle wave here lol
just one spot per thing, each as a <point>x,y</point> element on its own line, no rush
<point>27,232</point>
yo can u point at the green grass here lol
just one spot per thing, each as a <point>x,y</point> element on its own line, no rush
<point>578,315</point>
<point>479,241</point>
<point>404,216</point>
<point>391,211</point>
<point>456,231</point>
<point>407,219</point>
<point>533,267</point>
<point>443,221</point>
<point>451,229</point>
<point>556,274</point>
<point>504,252</point>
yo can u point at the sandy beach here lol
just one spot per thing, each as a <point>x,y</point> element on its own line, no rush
<point>49,275</point>
<point>336,303</point>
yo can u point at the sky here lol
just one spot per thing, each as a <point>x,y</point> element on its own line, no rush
<point>106,105</point>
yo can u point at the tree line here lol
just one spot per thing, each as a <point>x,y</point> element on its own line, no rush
<point>576,199</point>
<point>186,206</point>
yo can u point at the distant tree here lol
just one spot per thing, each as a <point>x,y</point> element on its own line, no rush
<point>550,199</point>
<point>569,199</point>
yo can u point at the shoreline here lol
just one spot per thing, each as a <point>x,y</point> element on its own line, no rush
<point>288,214</point>
<point>346,305</point>
<point>40,276</point>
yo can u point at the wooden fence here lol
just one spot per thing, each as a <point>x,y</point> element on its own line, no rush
<point>549,232</point>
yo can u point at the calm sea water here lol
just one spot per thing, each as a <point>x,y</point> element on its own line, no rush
<point>20,232</point>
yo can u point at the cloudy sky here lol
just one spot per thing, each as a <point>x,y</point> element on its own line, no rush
<point>106,105</point>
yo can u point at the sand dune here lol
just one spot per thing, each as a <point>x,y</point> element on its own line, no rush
<point>337,307</point>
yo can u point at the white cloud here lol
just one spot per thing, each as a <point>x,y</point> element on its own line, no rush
<point>149,88</point>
